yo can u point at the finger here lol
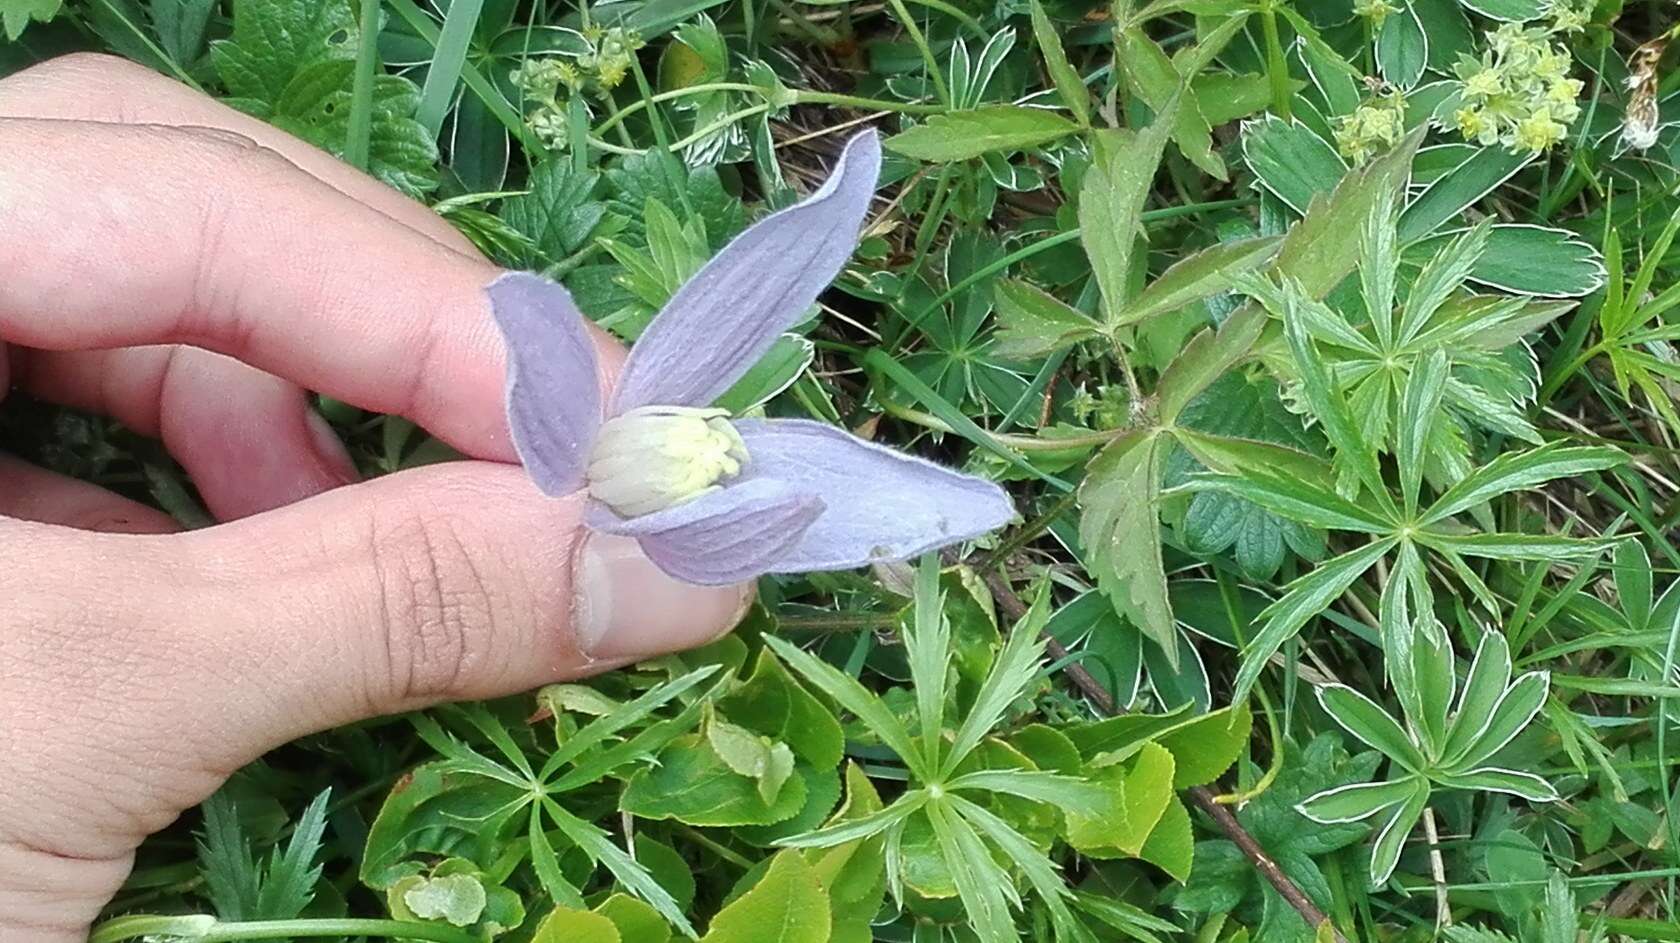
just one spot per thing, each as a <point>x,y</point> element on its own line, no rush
<point>454,581</point>
<point>103,88</point>
<point>230,247</point>
<point>31,493</point>
<point>249,440</point>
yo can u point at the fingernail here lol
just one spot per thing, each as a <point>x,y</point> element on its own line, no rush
<point>625,607</point>
<point>330,448</point>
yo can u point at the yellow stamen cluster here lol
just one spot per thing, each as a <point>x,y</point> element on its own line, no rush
<point>656,457</point>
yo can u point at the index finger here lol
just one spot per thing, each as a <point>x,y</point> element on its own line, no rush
<point>123,235</point>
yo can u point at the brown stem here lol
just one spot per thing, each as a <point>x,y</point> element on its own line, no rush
<point>1203,797</point>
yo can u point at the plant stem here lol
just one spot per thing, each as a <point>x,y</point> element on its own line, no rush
<point>934,75</point>
<point>1277,68</point>
<point>1201,796</point>
<point>814,97</point>
<point>360,131</point>
<point>200,931</point>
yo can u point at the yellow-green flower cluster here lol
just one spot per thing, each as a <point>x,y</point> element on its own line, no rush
<point>1372,128</point>
<point>1374,10</point>
<point>1519,92</point>
<point>548,82</point>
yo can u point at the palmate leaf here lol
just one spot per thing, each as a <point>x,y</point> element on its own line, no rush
<point>600,848</point>
<point>1493,779</point>
<point>869,825</point>
<point>1365,719</point>
<point>1304,598</point>
<point>1111,201</point>
<point>928,648</point>
<point>986,890</point>
<point>1391,838</point>
<point>1356,802</point>
<point>1014,669</point>
<point>1520,702</point>
<point>1441,276</point>
<point>1548,547</point>
<point>1065,792</point>
<point>1038,869</point>
<point>1294,499</point>
<point>597,731</point>
<point>1518,471</point>
<point>854,697</point>
<point>1419,407</point>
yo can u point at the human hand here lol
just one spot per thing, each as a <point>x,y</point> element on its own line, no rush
<point>141,228</point>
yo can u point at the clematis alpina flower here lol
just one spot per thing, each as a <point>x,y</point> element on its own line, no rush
<point>713,499</point>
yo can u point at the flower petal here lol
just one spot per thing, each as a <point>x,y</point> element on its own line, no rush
<point>878,504</point>
<point>735,533</point>
<point>553,400</point>
<point>723,319</point>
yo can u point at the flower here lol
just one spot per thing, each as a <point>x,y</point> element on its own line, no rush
<point>713,499</point>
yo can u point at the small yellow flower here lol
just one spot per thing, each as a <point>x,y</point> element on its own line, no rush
<point>1538,131</point>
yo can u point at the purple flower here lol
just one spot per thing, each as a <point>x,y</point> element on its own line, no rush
<point>712,499</point>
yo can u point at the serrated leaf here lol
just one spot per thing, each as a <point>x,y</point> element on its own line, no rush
<point>1199,276</point>
<point>787,905</point>
<point>456,899</point>
<point>1291,161</point>
<point>1111,201</point>
<point>1207,746</point>
<point>1304,598</point>
<point>1034,323</point>
<point>1171,845</point>
<point>961,135</point>
<point>1519,471</point>
<point>1068,84</point>
<point>1139,794</point>
<point>1120,531</point>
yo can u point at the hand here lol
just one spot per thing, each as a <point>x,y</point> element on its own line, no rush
<point>189,271</point>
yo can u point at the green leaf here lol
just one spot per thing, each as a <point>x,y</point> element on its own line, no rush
<point>1202,361</point>
<point>787,905</point>
<point>1521,701</point>
<point>1068,84</point>
<point>1033,323</point>
<point>1441,276</point>
<point>557,211</point>
<point>1207,746</point>
<point>1458,189</point>
<point>854,697</point>
<point>1516,546</point>
<point>692,784</point>
<point>1157,82</point>
<point>1038,868</point>
<point>1291,161</point>
<point>773,704</point>
<point>16,14</point>
<point>1490,674</point>
<point>1402,48</point>
<point>1199,276</point>
<point>750,755</point>
<point>984,887</point>
<point>1304,598</point>
<point>1139,793</point>
<point>1419,407</point>
<point>1318,251</point>
<point>1519,471</point>
<point>457,899</point>
<point>1391,838</point>
<point>274,41</point>
<point>315,106</point>
<point>1014,670</point>
<point>1355,802</point>
<point>1362,717</point>
<point>1296,500</point>
<point>1631,566</point>
<point>961,135</point>
<point>1066,792</point>
<point>1111,200</point>
<point>1492,779</point>
<point>1171,844</point>
<point>181,26</point>
<point>565,925</point>
<point>1121,534</point>
<point>1531,260</point>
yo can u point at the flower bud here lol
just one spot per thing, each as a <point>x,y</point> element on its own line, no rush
<point>652,458</point>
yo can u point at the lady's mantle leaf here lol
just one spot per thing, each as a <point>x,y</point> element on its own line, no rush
<point>961,135</point>
<point>787,905</point>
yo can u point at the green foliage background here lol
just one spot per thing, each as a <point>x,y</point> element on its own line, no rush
<point>1343,445</point>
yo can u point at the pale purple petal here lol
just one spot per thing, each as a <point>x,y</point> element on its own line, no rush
<point>878,504</point>
<point>553,400</point>
<point>736,533</point>
<point>723,319</point>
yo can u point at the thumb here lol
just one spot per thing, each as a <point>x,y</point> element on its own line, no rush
<point>449,582</point>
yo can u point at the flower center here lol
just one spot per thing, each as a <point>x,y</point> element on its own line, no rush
<point>654,457</point>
